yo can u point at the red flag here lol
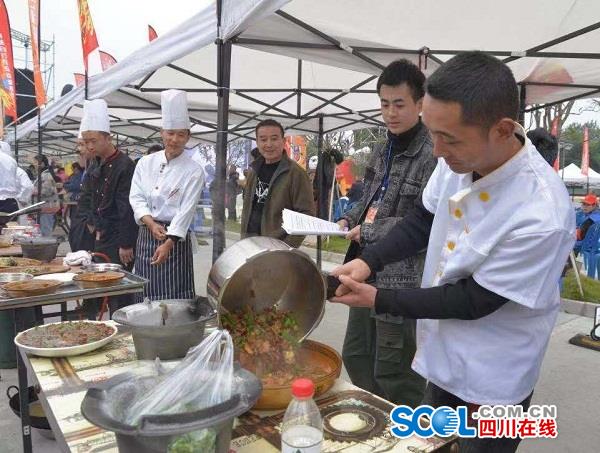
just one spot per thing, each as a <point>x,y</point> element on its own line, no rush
<point>7,67</point>
<point>152,35</point>
<point>107,60</point>
<point>79,79</point>
<point>34,24</point>
<point>89,42</point>
<point>585,153</point>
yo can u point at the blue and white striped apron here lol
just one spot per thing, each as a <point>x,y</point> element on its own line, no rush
<point>173,279</point>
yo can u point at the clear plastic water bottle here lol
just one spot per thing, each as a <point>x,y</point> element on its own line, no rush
<point>302,427</point>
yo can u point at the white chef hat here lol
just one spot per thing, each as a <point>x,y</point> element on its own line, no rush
<point>95,116</point>
<point>174,110</point>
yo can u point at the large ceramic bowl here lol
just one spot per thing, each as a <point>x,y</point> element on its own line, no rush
<point>65,351</point>
<point>279,396</point>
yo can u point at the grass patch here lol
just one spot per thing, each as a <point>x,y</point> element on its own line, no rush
<point>591,288</point>
<point>334,244</point>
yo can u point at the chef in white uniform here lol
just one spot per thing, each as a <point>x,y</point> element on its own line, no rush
<point>498,226</point>
<point>164,193</point>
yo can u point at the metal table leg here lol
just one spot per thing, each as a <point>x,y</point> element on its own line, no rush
<point>23,389</point>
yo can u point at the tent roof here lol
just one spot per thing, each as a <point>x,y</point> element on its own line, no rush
<point>311,58</point>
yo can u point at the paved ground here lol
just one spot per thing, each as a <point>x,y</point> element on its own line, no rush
<point>569,379</point>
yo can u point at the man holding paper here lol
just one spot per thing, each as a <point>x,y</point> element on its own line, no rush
<point>379,348</point>
<point>274,183</point>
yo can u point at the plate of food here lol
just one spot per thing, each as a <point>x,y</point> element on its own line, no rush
<point>65,277</point>
<point>87,280</point>
<point>63,339</point>
<point>10,261</point>
<point>28,288</point>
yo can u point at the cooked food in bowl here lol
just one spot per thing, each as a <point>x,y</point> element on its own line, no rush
<point>65,334</point>
<point>100,276</point>
<point>5,240</point>
<point>97,279</point>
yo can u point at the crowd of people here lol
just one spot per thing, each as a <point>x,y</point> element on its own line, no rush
<point>459,231</point>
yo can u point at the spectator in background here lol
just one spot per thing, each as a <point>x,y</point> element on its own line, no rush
<point>73,184</point>
<point>356,191</point>
<point>379,348</point>
<point>154,148</point>
<point>61,174</point>
<point>49,193</point>
<point>232,191</point>
<point>589,207</point>
<point>545,143</point>
<point>329,159</point>
<point>275,182</point>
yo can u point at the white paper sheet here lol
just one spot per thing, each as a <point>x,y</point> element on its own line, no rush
<point>302,224</point>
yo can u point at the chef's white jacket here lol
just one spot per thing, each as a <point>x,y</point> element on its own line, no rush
<point>167,191</point>
<point>511,230</point>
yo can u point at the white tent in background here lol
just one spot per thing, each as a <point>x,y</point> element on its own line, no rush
<point>572,176</point>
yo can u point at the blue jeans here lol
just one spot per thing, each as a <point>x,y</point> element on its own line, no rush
<point>47,224</point>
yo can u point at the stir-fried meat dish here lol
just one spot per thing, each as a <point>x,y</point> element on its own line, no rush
<point>267,344</point>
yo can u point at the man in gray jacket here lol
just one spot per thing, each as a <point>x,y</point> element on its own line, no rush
<point>378,349</point>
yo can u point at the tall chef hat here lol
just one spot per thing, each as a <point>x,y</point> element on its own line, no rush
<point>174,110</point>
<point>95,116</point>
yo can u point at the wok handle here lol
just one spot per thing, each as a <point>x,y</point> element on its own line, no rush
<point>331,284</point>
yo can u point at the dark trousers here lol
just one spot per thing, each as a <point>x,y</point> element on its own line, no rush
<point>378,355</point>
<point>436,397</point>
<point>9,205</point>
<point>91,307</point>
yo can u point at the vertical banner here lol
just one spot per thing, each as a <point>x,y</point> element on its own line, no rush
<point>295,146</point>
<point>152,35</point>
<point>79,79</point>
<point>34,25</point>
<point>106,60</point>
<point>7,67</point>
<point>89,42</point>
<point>585,153</point>
<point>554,132</point>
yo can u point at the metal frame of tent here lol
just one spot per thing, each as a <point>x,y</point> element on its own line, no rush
<point>222,88</point>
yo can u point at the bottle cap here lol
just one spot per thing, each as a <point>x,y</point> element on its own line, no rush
<point>303,388</point>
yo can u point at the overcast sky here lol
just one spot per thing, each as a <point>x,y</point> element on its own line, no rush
<point>121,27</point>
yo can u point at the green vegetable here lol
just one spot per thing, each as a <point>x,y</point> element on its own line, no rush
<point>203,441</point>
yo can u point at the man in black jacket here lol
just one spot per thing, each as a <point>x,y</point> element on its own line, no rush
<point>110,218</point>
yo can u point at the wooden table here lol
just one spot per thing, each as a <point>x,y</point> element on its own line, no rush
<point>64,382</point>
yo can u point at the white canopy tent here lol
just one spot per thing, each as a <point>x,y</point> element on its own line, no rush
<point>572,176</point>
<point>313,64</point>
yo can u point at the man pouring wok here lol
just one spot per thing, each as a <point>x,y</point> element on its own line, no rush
<point>498,226</point>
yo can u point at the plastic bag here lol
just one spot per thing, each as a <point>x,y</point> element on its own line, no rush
<point>203,379</point>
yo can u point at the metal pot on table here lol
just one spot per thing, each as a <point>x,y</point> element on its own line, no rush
<point>263,272</point>
<point>43,248</point>
<point>166,328</point>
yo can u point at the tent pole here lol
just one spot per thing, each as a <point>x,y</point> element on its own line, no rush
<point>321,212</point>
<point>522,103</point>
<point>16,145</point>
<point>223,83</point>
